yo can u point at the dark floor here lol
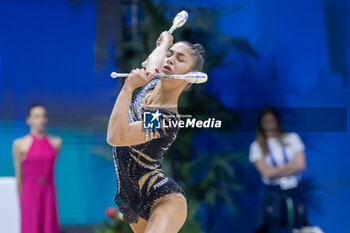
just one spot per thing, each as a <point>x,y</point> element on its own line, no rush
<point>78,229</point>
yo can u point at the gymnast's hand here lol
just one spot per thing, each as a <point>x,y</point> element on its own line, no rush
<point>165,39</point>
<point>138,78</point>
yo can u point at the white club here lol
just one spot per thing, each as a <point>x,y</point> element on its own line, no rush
<point>191,77</point>
<point>179,20</point>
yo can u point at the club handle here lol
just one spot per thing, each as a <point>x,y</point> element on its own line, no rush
<point>171,30</point>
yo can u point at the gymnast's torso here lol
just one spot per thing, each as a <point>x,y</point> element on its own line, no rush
<point>141,180</point>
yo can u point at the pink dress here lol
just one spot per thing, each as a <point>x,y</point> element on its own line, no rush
<point>38,196</point>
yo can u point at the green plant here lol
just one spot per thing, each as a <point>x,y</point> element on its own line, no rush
<point>113,227</point>
<point>114,223</point>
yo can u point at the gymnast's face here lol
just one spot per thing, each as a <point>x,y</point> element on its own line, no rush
<point>37,118</point>
<point>178,60</point>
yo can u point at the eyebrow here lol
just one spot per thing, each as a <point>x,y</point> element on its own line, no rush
<point>179,54</point>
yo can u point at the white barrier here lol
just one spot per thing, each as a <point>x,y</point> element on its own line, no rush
<point>9,205</point>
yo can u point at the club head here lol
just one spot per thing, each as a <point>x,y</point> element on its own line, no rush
<point>197,77</point>
<point>181,18</point>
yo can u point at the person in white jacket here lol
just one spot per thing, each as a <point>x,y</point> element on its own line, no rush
<point>279,158</point>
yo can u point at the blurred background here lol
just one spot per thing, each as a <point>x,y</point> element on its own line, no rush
<point>290,54</point>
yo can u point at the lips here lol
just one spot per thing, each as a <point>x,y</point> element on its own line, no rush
<point>166,68</point>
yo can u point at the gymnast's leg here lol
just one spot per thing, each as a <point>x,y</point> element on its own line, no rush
<point>168,214</point>
<point>140,226</point>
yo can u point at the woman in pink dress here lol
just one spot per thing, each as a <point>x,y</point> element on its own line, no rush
<point>34,158</point>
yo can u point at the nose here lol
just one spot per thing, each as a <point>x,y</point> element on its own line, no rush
<point>170,60</point>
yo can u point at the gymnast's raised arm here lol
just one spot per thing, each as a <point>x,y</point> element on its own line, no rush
<point>156,58</point>
<point>120,132</point>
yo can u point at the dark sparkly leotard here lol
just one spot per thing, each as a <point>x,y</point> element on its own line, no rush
<point>141,179</point>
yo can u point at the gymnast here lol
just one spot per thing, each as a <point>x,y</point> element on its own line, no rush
<point>150,201</point>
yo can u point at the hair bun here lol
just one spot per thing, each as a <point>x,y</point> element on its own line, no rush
<point>199,48</point>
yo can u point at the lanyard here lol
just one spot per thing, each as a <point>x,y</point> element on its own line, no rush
<point>273,160</point>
